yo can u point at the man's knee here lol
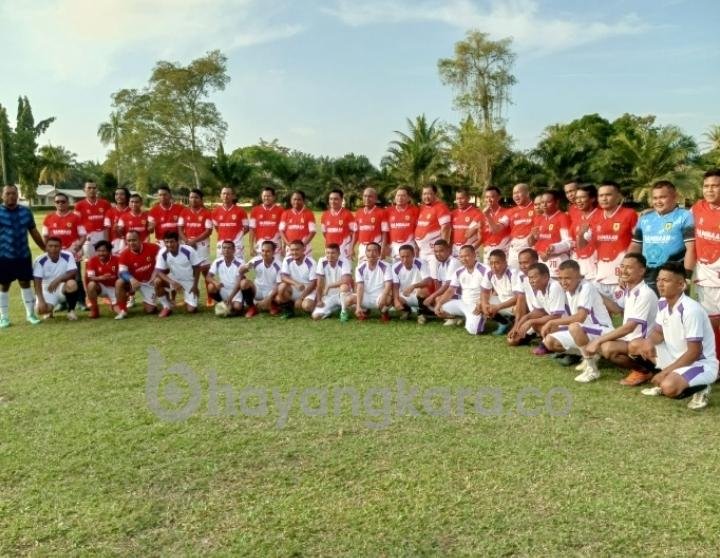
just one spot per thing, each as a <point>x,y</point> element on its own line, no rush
<point>553,344</point>
<point>70,286</point>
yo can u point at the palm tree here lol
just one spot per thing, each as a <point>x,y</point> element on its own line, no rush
<point>713,137</point>
<point>111,133</point>
<point>56,162</point>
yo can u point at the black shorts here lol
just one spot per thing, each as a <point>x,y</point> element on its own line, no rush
<point>15,269</point>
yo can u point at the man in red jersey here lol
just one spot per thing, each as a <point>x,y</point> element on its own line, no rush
<point>338,224</point>
<point>195,227</point>
<point>466,221</point>
<point>496,227</point>
<point>434,223</point>
<point>402,220</point>
<point>371,224</point>
<point>706,213</point>
<point>551,234</point>
<point>570,188</point>
<point>92,214</point>
<point>136,267</point>
<point>101,275</point>
<point>137,219</point>
<point>231,222</point>
<point>113,216</point>
<point>297,223</point>
<point>164,215</point>
<point>612,234</point>
<point>520,221</point>
<point>265,223</point>
<point>584,251</point>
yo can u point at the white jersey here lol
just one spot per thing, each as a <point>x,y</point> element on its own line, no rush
<point>508,285</point>
<point>373,279</point>
<point>179,266</point>
<point>552,300</point>
<point>333,274</point>
<point>404,277</point>
<point>587,297</point>
<point>470,284</point>
<point>47,270</point>
<point>686,321</point>
<point>639,306</point>
<point>226,273</point>
<point>266,276</point>
<point>443,272</point>
<point>304,272</point>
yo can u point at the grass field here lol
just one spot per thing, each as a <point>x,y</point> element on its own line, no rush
<point>87,466</point>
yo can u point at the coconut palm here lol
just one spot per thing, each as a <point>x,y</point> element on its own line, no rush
<point>111,133</point>
<point>713,137</point>
<point>56,162</point>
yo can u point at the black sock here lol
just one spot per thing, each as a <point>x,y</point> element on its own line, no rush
<point>406,308</point>
<point>71,299</point>
<point>288,306</point>
<point>688,391</point>
<point>216,297</point>
<point>248,297</point>
<point>422,309</point>
<point>499,318</point>
<point>644,364</point>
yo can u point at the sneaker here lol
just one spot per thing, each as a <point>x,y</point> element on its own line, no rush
<point>449,322</point>
<point>569,360</point>
<point>252,311</point>
<point>700,399</point>
<point>33,319</point>
<point>274,309</point>
<point>94,313</point>
<point>501,329</point>
<point>580,367</point>
<point>636,378</point>
<point>81,307</point>
<point>421,319</point>
<point>384,317</point>
<point>4,322</point>
<point>164,313</point>
<point>589,375</point>
<point>652,391</point>
<point>121,315</point>
<point>540,350</point>
<point>344,316</point>
<point>131,301</point>
<point>72,316</point>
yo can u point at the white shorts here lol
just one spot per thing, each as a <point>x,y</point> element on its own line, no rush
<point>89,246</point>
<point>308,250</point>
<point>505,311</point>
<point>395,248</point>
<point>425,246</point>
<point>54,298</point>
<point>553,264</point>
<point>565,339</point>
<point>474,323</point>
<point>699,373</point>
<point>517,245</point>
<point>118,245</point>
<point>412,300</point>
<point>709,298</point>
<point>262,292</point>
<point>239,249</point>
<point>371,300</point>
<point>203,252</point>
<point>611,291</point>
<point>297,292</point>
<point>487,249</point>
<point>330,304</point>
<point>588,266</point>
<point>107,292</point>
<point>225,293</point>
<point>148,293</point>
<point>189,298</point>
<point>609,272</point>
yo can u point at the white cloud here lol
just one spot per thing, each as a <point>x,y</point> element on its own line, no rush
<point>520,19</point>
<point>68,39</point>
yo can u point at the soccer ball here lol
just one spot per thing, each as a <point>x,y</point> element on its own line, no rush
<point>221,310</point>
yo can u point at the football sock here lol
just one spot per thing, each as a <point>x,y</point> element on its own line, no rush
<point>28,298</point>
<point>248,296</point>
<point>72,299</point>
<point>4,304</point>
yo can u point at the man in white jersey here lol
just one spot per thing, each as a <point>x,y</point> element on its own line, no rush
<point>296,290</point>
<point>639,305</point>
<point>54,276</point>
<point>468,282</point>
<point>223,275</point>
<point>177,268</point>
<point>442,268</point>
<point>334,282</point>
<point>681,343</point>
<point>524,301</point>
<point>373,280</point>
<point>259,293</point>
<point>411,284</point>
<point>499,302</point>
<point>588,319</point>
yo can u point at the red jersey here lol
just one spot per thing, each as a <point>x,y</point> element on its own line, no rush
<point>431,219</point>
<point>195,222</point>
<point>550,228</point>
<point>337,228</point>
<point>297,224</point>
<point>68,228</point>
<point>112,220</point>
<point>139,223</point>
<point>140,265</point>
<point>92,215</point>
<point>464,219</point>
<point>265,222</point>
<point>165,219</point>
<point>576,225</point>
<point>371,224</point>
<point>612,234</point>
<point>97,268</point>
<point>496,239</point>
<point>707,244</point>
<point>573,212</point>
<point>520,220</point>
<point>402,223</point>
<point>230,223</point>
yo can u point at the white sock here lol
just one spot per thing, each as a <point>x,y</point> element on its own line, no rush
<point>28,300</point>
<point>4,304</point>
<point>164,301</point>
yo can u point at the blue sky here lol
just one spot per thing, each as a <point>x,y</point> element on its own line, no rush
<point>339,76</point>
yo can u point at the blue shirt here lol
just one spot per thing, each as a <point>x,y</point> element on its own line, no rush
<point>663,237</point>
<point>14,226</point>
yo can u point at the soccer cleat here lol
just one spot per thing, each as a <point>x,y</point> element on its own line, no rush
<point>569,360</point>
<point>344,316</point>
<point>121,315</point>
<point>699,399</point>
<point>274,309</point>
<point>131,301</point>
<point>81,307</point>
<point>449,322</point>
<point>652,391</point>
<point>252,311</point>
<point>72,316</point>
<point>4,322</point>
<point>636,378</point>
<point>209,302</point>
<point>384,317</point>
<point>589,375</point>
<point>94,313</point>
<point>501,329</point>
<point>421,319</point>
<point>164,313</point>
<point>580,367</point>
<point>540,350</point>
<point>33,319</point>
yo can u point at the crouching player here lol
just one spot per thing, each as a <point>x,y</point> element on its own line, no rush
<point>374,286</point>
<point>296,290</point>
<point>101,275</point>
<point>263,289</point>
<point>334,283</point>
<point>588,320</point>
<point>412,284</point>
<point>682,343</point>
<point>468,282</point>
<point>177,268</point>
<point>54,276</point>
<point>223,275</point>
<point>136,269</point>
<point>506,284</point>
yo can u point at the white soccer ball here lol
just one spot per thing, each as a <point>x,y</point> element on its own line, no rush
<point>221,310</point>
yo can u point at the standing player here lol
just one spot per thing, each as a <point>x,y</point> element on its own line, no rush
<point>466,222</point>
<point>164,216</point>
<point>265,285</point>
<point>177,268</point>
<point>297,223</point>
<point>101,275</point>
<point>551,234</point>
<point>55,278</point>
<point>113,217</point>
<point>265,223</point>
<point>499,301</point>
<point>16,221</point>
<point>137,219</point>
<point>373,280</point>
<point>582,221</point>
<point>296,290</point>
<point>570,189</point>
<point>371,224</point>
<point>496,230</point>
<point>136,270</point>
<point>195,227</point>
<point>468,283</point>
<point>434,223</point>
<point>92,212</point>
<point>520,220</point>
<point>412,284</point>
<point>334,283</point>
<point>231,222</point>
<point>338,224</point>
<point>402,219</point>
<point>224,274</point>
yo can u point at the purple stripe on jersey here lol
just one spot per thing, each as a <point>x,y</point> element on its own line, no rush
<point>694,339</point>
<point>257,263</point>
<point>165,255</point>
<point>325,263</point>
<point>397,268</point>
<point>185,251</point>
<point>382,266</point>
<point>65,256</point>
<point>592,330</point>
<point>680,309</point>
<point>418,264</point>
<point>662,303</point>
<point>308,263</point>
<point>480,326</point>
<point>692,372</point>
<point>276,266</point>
<point>642,323</point>
<point>43,260</point>
<point>567,311</point>
<point>361,270</point>
<point>235,262</point>
<point>557,313</point>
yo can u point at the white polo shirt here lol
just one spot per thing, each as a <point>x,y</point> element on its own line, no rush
<point>404,277</point>
<point>180,266</point>
<point>552,300</point>
<point>686,321</point>
<point>304,271</point>
<point>333,274</point>
<point>587,297</point>
<point>469,284</point>
<point>639,306</point>
<point>373,279</point>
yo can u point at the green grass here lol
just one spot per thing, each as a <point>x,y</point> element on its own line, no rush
<point>86,467</point>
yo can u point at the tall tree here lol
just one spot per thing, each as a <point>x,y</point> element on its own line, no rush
<point>713,137</point>
<point>352,173</point>
<point>232,171</point>
<point>110,133</point>
<point>25,146</point>
<point>476,152</point>
<point>7,166</point>
<point>55,164</point>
